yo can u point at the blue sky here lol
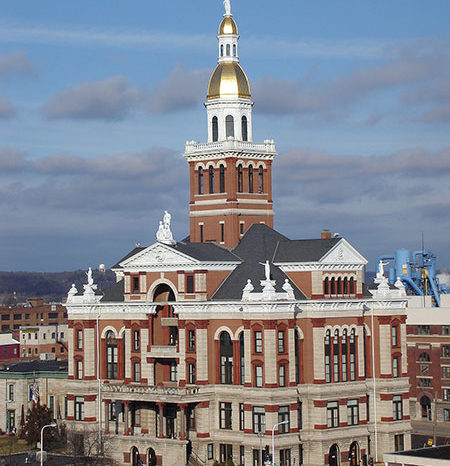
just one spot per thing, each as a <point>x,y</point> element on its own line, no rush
<point>98,98</point>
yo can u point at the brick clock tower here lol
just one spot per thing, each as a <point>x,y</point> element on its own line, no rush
<point>230,175</point>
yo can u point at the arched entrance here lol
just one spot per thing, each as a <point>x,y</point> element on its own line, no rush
<point>354,454</point>
<point>334,456</point>
<point>151,457</point>
<point>425,404</point>
<point>135,457</point>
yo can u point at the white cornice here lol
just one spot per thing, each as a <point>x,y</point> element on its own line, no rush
<point>314,266</point>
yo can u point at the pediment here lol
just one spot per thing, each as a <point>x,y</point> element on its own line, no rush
<point>158,255</point>
<point>343,253</point>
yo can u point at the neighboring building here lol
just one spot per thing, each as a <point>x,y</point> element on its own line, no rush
<point>16,395</point>
<point>428,340</point>
<point>206,343</point>
<point>9,348</point>
<point>436,456</point>
<point>43,342</point>
<point>35,313</point>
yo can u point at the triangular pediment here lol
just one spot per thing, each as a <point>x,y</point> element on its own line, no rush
<point>343,253</point>
<point>158,255</point>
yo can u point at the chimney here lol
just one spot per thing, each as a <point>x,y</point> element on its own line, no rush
<point>326,234</point>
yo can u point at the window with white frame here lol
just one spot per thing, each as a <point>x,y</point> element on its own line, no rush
<point>397,407</point>
<point>332,414</point>
<point>258,376</point>
<point>173,372</point>
<point>352,412</point>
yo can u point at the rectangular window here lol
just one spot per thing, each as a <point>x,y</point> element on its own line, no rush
<point>424,382</point>
<point>281,342</point>
<point>79,408</point>
<point>135,284</point>
<point>241,416</point>
<point>222,233</point>
<point>445,351</point>
<point>5,316</point>
<point>445,330</point>
<point>332,414</point>
<point>446,394</point>
<point>399,442</point>
<point>285,457</point>
<point>52,315</point>
<point>27,316</point>
<point>282,375</point>
<point>11,392</point>
<point>241,454</point>
<point>210,451</point>
<point>395,367</point>
<point>51,405</point>
<point>446,414</point>
<point>258,341</point>
<point>191,340</point>
<point>283,416</point>
<point>446,372</point>
<point>191,373</point>
<point>423,330</point>
<point>79,370</point>
<point>190,419</point>
<point>136,340</point>
<point>5,328</point>
<point>61,335</point>
<point>241,228</point>
<point>258,376</point>
<point>136,371</point>
<point>394,330</point>
<point>397,407</point>
<point>201,233</point>
<point>79,339</point>
<point>300,415</point>
<point>173,372</point>
<point>226,452</point>
<point>189,284</point>
<point>225,415</point>
<point>10,420</point>
<point>352,412</point>
<point>17,316</point>
<point>259,419</point>
<point>65,407</point>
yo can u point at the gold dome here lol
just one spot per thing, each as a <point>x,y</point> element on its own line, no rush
<point>228,26</point>
<point>228,80</point>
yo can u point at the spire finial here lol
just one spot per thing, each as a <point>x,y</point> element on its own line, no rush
<point>227,5</point>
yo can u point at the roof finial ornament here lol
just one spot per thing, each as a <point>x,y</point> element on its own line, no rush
<point>227,5</point>
<point>164,234</point>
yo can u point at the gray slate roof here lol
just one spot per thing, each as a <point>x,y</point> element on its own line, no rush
<point>114,294</point>
<point>37,366</point>
<point>304,250</point>
<point>130,254</point>
<point>206,252</point>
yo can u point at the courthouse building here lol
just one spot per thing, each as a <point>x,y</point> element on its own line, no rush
<point>205,346</point>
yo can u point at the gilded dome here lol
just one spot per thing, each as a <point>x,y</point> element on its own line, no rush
<point>228,80</point>
<point>228,26</point>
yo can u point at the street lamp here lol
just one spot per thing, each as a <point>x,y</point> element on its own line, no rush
<point>53,424</point>
<point>260,436</point>
<point>273,439</point>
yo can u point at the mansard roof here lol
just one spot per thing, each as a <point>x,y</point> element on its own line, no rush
<point>206,252</point>
<point>257,245</point>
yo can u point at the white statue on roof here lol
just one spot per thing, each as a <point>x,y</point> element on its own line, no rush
<point>164,233</point>
<point>266,269</point>
<point>227,5</point>
<point>89,276</point>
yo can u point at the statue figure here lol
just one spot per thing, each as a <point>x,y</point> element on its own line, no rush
<point>89,276</point>
<point>73,291</point>
<point>381,265</point>
<point>166,219</point>
<point>266,270</point>
<point>249,287</point>
<point>227,5</point>
<point>287,287</point>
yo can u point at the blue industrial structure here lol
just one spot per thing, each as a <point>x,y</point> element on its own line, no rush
<point>417,271</point>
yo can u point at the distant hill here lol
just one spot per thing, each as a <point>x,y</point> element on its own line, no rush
<point>17,287</point>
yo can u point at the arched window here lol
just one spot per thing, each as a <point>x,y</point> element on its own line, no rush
<point>229,126</point>
<point>221,50</point>
<point>200,180</point>
<point>352,285</point>
<point>326,286</point>
<point>334,456</point>
<point>353,454</point>
<point>336,362</point>
<point>333,286</point>
<point>344,349</point>
<point>339,285</point>
<point>345,290</point>
<point>424,357</point>
<point>353,354</point>
<point>215,129</point>
<point>240,178</point>
<point>222,179</point>
<point>211,179</point>
<point>250,179</point>
<point>261,179</point>
<point>241,359</point>
<point>327,343</point>
<point>297,356</point>
<point>425,404</point>
<point>151,457</point>
<point>111,356</point>
<point>135,457</point>
<point>226,358</point>
<point>228,50</point>
<point>234,50</point>
<point>244,128</point>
